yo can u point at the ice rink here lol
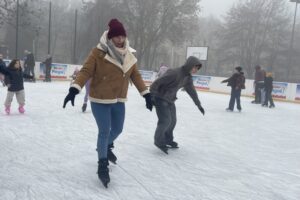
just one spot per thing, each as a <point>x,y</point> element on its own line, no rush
<point>48,153</point>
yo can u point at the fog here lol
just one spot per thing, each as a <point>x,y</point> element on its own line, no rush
<point>237,32</point>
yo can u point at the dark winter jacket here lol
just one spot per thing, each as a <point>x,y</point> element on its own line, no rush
<point>268,84</point>
<point>166,86</point>
<point>30,62</point>
<point>236,81</point>
<point>3,69</point>
<point>259,75</point>
<point>15,81</point>
<point>48,62</point>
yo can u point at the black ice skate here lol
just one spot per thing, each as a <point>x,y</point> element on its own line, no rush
<point>103,172</point>
<point>163,148</point>
<point>84,107</point>
<point>172,145</point>
<point>110,155</point>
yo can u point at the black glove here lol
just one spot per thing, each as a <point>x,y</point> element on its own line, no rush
<point>201,109</point>
<point>148,101</point>
<point>71,96</point>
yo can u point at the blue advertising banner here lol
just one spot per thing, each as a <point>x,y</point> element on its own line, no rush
<point>279,90</point>
<point>202,82</point>
<point>59,70</point>
<point>147,76</point>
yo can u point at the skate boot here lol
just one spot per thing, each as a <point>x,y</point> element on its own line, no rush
<point>84,107</point>
<point>21,109</point>
<point>7,109</point>
<point>172,145</point>
<point>103,172</point>
<point>229,110</point>
<point>163,148</point>
<point>110,155</point>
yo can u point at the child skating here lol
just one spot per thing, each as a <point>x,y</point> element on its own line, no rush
<point>15,85</point>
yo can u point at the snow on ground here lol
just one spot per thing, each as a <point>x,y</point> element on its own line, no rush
<point>49,152</point>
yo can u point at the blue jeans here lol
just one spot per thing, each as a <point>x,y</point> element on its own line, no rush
<point>110,121</point>
<point>166,113</point>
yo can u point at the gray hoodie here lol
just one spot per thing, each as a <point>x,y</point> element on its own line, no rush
<point>166,86</point>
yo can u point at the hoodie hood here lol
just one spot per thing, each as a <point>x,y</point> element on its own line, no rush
<point>190,63</point>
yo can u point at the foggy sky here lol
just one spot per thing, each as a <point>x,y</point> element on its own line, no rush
<point>216,7</point>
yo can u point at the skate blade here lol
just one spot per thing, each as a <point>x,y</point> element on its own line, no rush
<point>112,161</point>
<point>173,147</point>
<point>105,183</point>
<point>164,150</point>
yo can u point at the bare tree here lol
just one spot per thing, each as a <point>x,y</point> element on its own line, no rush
<point>254,29</point>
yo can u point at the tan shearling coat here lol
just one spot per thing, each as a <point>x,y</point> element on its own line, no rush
<point>110,79</point>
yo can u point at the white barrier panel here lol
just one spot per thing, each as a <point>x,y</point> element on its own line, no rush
<point>297,96</point>
<point>281,90</point>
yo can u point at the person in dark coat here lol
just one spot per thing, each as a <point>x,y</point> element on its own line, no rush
<point>29,64</point>
<point>163,91</point>
<point>3,69</point>
<point>237,83</point>
<point>48,63</point>
<point>15,85</point>
<point>259,84</point>
<point>269,89</point>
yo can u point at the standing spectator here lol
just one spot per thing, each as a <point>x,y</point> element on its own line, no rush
<point>48,63</point>
<point>29,64</point>
<point>15,86</point>
<point>259,84</point>
<point>163,91</point>
<point>3,70</point>
<point>268,90</point>
<point>87,92</point>
<point>111,66</point>
<point>162,70</point>
<point>237,83</point>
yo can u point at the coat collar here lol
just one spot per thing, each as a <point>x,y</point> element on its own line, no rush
<point>129,59</point>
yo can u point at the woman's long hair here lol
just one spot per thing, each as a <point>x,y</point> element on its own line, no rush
<point>12,63</point>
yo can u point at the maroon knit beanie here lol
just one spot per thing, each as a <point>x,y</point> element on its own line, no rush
<point>115,29</point>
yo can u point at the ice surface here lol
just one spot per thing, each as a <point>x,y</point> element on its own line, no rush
<point>49,152</point>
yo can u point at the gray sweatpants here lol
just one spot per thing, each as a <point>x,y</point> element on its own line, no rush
<point>20,95</point>
<point>166,113</point>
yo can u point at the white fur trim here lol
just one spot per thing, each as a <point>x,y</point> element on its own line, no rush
<point>144,92</point>
<point>77,87</point>
<point>107,101</point>
<point>129,59</point>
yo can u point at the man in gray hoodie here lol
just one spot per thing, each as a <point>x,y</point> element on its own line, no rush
<point>163,91</point>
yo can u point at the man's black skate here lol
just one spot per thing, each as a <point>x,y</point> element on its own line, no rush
<point>110,155</point>
<point>163,148</point>
<point>103,172</point>
<point>84,107</point>
<point>172,145</point>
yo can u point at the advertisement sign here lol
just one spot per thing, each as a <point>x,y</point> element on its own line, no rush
<point>297,98</point>
<point>147,76</point>
<point>279,90</point>
<point>202,82</point>
<point>58,70</point>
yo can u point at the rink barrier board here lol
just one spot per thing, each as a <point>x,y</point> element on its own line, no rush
<point>282,91</point>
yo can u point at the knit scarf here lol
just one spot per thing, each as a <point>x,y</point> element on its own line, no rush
<point>116,53</point>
